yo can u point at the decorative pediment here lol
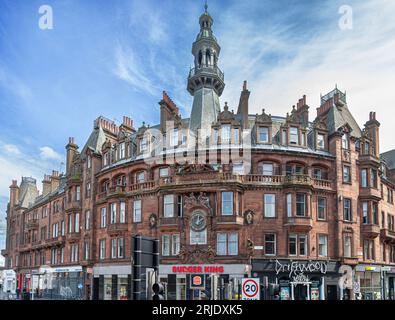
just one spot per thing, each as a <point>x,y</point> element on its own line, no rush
<point>226,116</point>
<point>263,118</point>
<point>319,124</point>
<point>195,168</point>
<point>294,117</point>
<point>142,129</point>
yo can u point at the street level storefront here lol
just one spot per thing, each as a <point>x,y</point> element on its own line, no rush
<point>389,282</point>
<point>370,282</point>
<point>203,282</point>
<point>111,282</point>
<point>297,279</point>
<point>66,283</point>
<point>9,281</point>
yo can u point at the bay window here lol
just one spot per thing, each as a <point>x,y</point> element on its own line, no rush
<point>227,203</point>
<point>113,213</point>
<point>168,206</point>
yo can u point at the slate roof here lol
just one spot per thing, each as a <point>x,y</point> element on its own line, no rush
<point>337,118</point>
<point>389,158</point>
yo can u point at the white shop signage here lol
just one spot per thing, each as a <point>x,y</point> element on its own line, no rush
<point>296,268</point>
<point>60,269</point>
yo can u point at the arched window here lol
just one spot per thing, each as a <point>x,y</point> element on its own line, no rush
<point>295,169</point>
<point>208,57</point>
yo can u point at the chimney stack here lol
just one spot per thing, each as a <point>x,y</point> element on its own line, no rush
<point>71,149</point>
<point>46,185</point>
<point>243,105</point>
<point>55,180</point>
<point>14,193</point>
<point>373,128</point>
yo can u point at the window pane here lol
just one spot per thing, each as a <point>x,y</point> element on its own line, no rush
<point>270,205</point>
<point>227,203</point>
<point>300,204</point>
<point>263,134</point>
<point>232,244</point>
<point>168,205</point>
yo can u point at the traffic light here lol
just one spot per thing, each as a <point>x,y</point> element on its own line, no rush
<point>159,291</point>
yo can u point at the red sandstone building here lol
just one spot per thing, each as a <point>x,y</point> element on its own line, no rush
<point>284,199</point>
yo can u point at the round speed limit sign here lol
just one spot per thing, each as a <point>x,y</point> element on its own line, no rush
<point>250,289</point>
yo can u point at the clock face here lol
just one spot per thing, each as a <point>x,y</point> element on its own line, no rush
<point>198,221</point>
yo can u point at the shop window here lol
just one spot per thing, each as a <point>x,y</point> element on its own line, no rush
<point>323,245</point>
<point>227,203</point>
<point>270,244</point>
<point>122,287</point>
<point>168,206</point>
<point>347,216</point>
<point>136,211</point>
<point>269,205</point>
<point>321,203</point>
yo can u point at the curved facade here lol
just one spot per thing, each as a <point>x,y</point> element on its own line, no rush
<point>285,199</point>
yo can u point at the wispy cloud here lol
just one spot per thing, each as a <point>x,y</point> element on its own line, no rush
<point>47,153</point>
<point>128,68</point>
<point>282,65</point>
<point>13,85</point>
<point>12,149</point>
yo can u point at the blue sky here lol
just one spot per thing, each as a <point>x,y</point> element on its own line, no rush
<point>114,58</point>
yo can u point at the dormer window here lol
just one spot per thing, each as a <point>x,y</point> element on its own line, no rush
<point>320,141</point>
<point>105,159</point>
<point>225,134</point>
<point>143,144</point>
<point>345,142</point>
<point>215,136</point>
<point>236,136</point>
<point>174,138</point>
<point>293,135</point>
<point>122,150</point>
<point>264,134</point>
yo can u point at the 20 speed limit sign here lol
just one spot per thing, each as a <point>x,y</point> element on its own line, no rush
<point>250,289</point>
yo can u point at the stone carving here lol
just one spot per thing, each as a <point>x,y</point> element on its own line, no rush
<point>153,220</point>
<point>197,255</point>
<point>249,217</point>
<point>196,168</point>
<point>192,201</point>
<point>263,118</point>
<point>250,247</point>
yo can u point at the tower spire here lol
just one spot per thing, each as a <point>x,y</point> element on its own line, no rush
<point>205,80</point>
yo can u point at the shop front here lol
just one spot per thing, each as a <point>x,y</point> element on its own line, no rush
<point>370,282</point>
<point>9,281</point>
<point>202,282</point>
<point>62,283</point>
<point>389,282</point>
<point>297,279</point>
<point>111,282</point>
